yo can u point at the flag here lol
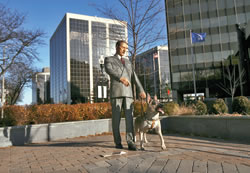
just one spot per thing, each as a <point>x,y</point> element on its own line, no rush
<point>155,55</point>
<point>168,92</point>
<point>198,37</point>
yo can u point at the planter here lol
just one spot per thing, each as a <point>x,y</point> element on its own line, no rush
<point>20,135</point>
<point>235,128</point>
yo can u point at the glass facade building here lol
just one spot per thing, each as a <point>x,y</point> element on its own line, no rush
<point>75,48</point>
<point>152,68</point>
<point>41,87</point>
<point>218,19</point>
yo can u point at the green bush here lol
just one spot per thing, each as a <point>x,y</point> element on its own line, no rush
<point>171,108</point>
<point>209,104</point>
<point>219,107</point>
<point>7,121</point>
<point>241,105</point>
<point>200,108</point>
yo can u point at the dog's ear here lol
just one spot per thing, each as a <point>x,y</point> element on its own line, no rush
<point>148,98</point>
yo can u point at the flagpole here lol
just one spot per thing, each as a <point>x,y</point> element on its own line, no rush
<point>192,56</point>
<point>154,74</point>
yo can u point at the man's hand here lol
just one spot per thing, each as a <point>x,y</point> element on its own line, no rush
<point>143,95</point>
<point>124,81</point>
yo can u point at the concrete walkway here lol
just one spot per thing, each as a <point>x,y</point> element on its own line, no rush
<point>184,154</point>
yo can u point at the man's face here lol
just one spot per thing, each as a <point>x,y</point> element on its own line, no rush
<point>122,49</point>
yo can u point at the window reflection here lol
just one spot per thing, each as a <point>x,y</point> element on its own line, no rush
<point>217,19</point>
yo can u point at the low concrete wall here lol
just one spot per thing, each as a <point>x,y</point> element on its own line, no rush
<point>210,126</point>
<point>20,135</point>
<point>236,128</point>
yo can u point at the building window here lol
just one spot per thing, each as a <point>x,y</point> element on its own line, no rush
<point>230,11</point>
<point>216,47</point>
<point>222,12</point>
<point>196,16</point>
<point>231,28</point>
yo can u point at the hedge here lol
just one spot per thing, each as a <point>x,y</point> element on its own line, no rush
<point>51,113</point>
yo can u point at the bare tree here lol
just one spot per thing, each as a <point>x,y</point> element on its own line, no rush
<point>18,76</point>
<point>233,81</point>
<point>145,24</point>
<point>16,43</point>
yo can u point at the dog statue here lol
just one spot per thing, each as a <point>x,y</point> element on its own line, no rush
<point>150,120</point>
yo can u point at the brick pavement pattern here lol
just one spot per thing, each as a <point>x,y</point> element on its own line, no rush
<point>184,154</point>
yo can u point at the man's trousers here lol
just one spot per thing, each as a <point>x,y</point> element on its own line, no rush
<point>126,104</point>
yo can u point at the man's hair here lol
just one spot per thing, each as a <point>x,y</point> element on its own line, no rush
<point>118,43</point>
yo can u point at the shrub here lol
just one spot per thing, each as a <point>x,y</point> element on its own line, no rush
<point>209,103</point>
<point>89,111</point>
<point>171,108</point>
<point>48,113</point>
<point>241,105</point>
<point>190,101</point>
<point>51,113</point>
<point>200,108</point>
<point>104,110</point>
<point>14,115</point>
<point>219,107</point>
<point>185,110</point>
<point>8,120</point>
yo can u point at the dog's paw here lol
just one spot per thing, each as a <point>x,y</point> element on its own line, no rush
<point>142,149</point>
<point>163,147</point>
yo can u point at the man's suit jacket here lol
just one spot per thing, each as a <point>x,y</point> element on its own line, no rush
<point>116,70</point>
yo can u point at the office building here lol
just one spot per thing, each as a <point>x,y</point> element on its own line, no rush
<point>152,68</point>
<point>219,19</point>
<point>41,87</point>
<point>243,51</point>
<point>75,49</point>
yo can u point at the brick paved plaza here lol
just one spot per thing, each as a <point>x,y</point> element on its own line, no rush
<point>184,154</point>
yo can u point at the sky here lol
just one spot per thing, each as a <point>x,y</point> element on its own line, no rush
<point>46,15</point>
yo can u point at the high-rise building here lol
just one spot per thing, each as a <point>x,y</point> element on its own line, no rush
<point>75,49</point>
<point>219,19</point>
<point>243,51</point>
<point>152,68</point>
<point>41,87</point>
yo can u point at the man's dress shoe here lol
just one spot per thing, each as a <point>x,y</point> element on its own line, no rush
<point>119,146</point>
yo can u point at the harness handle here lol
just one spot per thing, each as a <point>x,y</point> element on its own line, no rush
<point>142,111</point>
<point>141,108</point>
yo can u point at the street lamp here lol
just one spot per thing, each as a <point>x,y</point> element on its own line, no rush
<point>102,90</point>
<point>167,81</point>
<point>101,62</point>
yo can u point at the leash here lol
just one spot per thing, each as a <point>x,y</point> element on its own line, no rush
<point>147,120</point>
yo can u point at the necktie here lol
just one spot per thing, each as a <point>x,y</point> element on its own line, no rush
<point>123,61</point>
